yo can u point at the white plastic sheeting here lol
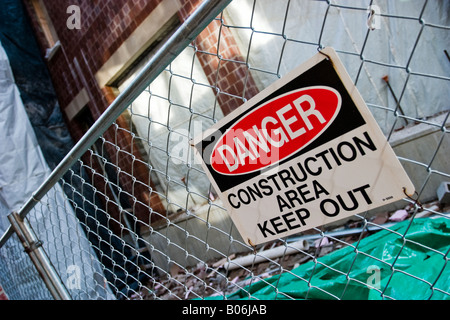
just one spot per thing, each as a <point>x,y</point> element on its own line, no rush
<point>22,170</point>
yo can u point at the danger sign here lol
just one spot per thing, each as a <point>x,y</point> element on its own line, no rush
<point>304,152</point>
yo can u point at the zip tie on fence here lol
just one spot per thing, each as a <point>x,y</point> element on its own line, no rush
<point>416,201</point>
<point>33,246</point>
<point>253,246</point>
<point>326,55</point>
<point>370,19</point>
<point>320,51</point>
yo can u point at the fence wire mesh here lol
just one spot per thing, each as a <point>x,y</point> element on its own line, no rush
<point>152,227</point>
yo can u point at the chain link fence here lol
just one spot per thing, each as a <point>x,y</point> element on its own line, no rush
<point>155,228</point>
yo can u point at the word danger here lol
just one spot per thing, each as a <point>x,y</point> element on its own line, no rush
<point>275,130</point>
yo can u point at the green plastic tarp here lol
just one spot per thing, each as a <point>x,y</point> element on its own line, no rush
<point>409,261</point>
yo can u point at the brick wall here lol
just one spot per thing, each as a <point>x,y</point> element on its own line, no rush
<point>105,25</point>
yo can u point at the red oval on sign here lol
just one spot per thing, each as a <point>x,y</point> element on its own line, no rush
<point>276,130</point>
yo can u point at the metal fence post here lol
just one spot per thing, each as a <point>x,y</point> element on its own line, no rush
<point>33,247</point>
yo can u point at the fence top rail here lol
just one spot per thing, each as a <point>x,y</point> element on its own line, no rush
<point>185,34</point>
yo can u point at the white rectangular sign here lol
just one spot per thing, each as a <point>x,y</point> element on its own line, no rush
<point>304,152</point>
